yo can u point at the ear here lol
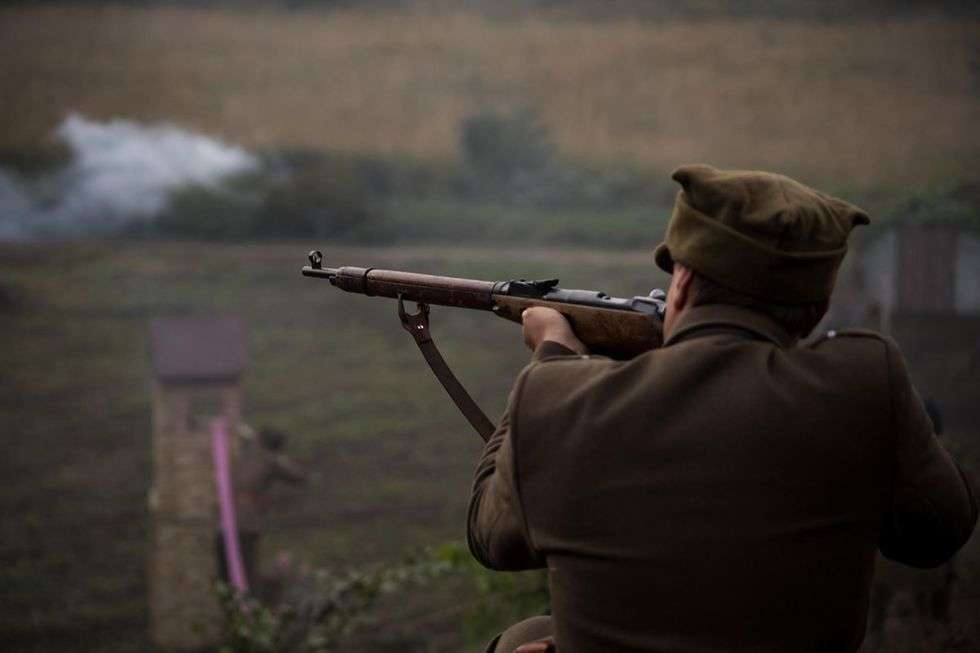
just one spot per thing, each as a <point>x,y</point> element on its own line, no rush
<point>680,287</point>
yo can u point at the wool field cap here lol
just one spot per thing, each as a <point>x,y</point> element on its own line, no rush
<point>759,233</point>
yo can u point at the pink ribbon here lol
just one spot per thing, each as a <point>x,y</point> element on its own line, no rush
<point>226,504</point>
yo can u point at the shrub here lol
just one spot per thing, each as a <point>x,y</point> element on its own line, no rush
<point>204,213</point>
<point>318,607</point>
<point>957,203</point>
<point>503,598</point>
<point>506,150</point>
<point>324,202</point>
<point>510,159</point>
<point>314,196</point>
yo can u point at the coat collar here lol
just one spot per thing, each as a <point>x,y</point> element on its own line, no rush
<point>726,317</point>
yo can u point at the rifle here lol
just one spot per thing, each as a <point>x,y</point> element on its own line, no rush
<point>610,326</point>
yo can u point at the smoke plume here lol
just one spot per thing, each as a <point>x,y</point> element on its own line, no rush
<point>119,172</point>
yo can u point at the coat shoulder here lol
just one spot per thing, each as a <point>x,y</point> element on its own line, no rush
<point>848,335</point>
<point>568,369</point>
<point>552,381</point>
<point>857,356</point>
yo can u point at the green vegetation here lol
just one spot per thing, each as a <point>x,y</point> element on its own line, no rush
<point>320,608</point>
<point>362,201</point>
<point>511,186</point>
<point>951,203</point>
<point>423,127</point>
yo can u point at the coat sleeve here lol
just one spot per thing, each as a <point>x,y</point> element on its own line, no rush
<point>497,531</point>
<point>933,509</point>
<point>286,470</point>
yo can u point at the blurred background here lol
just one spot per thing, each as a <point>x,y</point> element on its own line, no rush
<point>178,159</point>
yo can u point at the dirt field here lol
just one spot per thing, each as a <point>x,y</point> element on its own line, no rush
<point>867,102</point>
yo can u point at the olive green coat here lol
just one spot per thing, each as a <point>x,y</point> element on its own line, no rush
<point>727,491</point>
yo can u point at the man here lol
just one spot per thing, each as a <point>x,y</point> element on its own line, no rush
<point>260,464</point>
<point>729,490</point>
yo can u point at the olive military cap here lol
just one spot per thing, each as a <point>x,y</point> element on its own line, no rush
<point>759,233</point>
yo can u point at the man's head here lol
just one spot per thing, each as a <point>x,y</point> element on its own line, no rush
<point>689,289</point>
<point>754,239</point>
<point>272,439</point>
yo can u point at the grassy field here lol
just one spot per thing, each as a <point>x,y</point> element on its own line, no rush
<point>391,459</point>
<point>869,102</point>
<point>867,105</point>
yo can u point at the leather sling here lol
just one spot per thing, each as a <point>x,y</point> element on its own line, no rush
<point>418,325</point>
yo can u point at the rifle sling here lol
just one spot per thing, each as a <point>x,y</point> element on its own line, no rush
<point>418,326</point>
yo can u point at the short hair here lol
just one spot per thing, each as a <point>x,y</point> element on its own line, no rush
<point>797,319</point>
<point>272,439</point>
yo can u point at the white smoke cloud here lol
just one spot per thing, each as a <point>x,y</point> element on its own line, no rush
<point>16,210</point>
<point>120,171</point>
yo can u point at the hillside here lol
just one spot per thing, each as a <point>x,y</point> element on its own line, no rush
<point>858,103</point>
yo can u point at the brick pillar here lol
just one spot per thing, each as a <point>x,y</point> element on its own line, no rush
<point>197,364</point>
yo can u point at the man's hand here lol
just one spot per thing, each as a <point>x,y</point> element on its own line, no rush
<point>546,645</point>
<point>541,323</point>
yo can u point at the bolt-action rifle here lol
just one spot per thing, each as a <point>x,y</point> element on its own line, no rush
<point>610,326</point>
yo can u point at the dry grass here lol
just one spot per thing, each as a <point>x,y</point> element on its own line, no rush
<point>867,102</point>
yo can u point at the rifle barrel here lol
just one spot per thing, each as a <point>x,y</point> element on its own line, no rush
<point>323,273</point>
<point>411,286</point>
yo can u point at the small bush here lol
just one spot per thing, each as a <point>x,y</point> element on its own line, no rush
<point>35,161</point>
<point>957,204</point>
<point>318,608</point>
<point>318,202</point>
<point>204,213</point>
<point>302,196</point>
<point>510,159</point>
<point>502,148</point>
<point>504,598</point>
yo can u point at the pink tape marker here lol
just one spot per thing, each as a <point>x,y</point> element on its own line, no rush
<point>226,504</point>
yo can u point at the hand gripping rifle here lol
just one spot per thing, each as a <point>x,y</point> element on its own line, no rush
<point>610,326</point>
